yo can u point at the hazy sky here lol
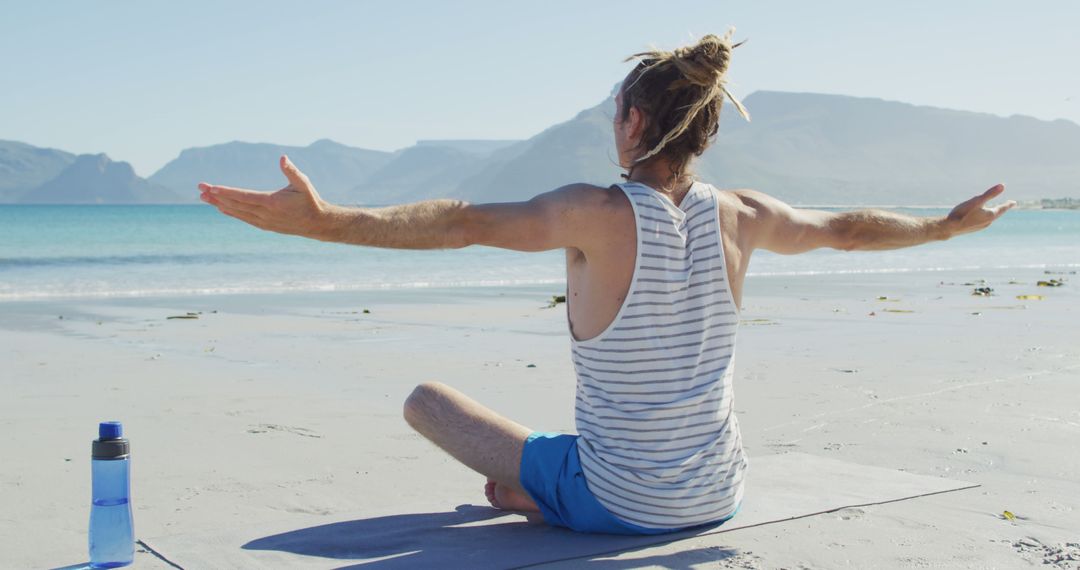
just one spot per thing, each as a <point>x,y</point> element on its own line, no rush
<point>143,80</point>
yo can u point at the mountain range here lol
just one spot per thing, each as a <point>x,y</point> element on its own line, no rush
<point>804,148</point>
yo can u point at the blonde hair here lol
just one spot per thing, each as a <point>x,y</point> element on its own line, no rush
<point>681,93</point>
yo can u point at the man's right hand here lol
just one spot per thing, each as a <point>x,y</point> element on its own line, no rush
<point>296,209</point>
<point>970,216</point>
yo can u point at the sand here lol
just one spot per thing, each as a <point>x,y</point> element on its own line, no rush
<point>266,406</point>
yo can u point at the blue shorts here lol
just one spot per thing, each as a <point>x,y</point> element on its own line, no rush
<point>551,474</point>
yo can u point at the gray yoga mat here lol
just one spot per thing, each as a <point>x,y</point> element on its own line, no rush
<point>779,488</point>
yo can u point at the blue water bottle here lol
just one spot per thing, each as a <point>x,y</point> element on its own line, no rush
<point>112,537</point>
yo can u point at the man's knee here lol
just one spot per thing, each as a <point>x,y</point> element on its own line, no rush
<point>419,404</point>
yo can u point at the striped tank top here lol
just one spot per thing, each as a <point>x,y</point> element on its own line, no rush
<point>659,442</point>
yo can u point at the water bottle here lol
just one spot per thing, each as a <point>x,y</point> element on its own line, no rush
<point>112,537</point>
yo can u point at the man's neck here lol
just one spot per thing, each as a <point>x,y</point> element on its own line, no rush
<point>657,175</point>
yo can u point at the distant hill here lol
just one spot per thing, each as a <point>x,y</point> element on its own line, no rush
<point>95,179</point>
<point>418,172</point>
<point>804,148</point>
<point>334,167</point>
<point>478,147</point>
<point>430,169</point>
<point>579,150</point>
<point>24,167</point>
<point>812,148</point>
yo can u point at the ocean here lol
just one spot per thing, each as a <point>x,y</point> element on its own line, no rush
<point>53,252</point>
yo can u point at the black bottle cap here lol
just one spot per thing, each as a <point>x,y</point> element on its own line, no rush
<point>110,443</point>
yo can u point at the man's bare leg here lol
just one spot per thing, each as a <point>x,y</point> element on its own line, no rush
<point>475,435</point>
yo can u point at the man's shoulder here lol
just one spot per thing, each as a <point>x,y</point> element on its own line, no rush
<point>742,202</point>
<point>585,191</point>
<point>590,196</point>
<point>743,197</point>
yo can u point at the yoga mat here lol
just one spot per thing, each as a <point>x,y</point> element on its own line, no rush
<point>779,488</point>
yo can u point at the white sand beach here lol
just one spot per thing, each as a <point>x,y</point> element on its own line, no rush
<point>274,406</point>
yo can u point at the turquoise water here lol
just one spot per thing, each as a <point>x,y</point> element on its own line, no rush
<point>116,251</point>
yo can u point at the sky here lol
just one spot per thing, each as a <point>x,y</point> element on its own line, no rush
<point>141,81</point>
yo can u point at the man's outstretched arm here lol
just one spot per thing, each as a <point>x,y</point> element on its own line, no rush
<point>781,228</point>
<point>553,220</point>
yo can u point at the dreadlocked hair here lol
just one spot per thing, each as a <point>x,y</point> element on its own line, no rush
<point>680,93</point>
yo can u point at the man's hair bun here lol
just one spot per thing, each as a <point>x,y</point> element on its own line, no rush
<point>705,63</point>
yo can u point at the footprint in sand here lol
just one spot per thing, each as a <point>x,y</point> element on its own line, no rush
<point>853,513</point>
<point>264,428</point>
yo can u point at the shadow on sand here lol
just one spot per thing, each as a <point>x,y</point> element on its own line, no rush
<point>468,537</point>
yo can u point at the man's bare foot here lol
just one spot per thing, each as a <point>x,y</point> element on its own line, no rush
<point>507,498</point>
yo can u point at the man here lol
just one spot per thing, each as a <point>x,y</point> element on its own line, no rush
<point>655,269</point>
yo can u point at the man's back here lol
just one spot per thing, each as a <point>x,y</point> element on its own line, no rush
<point>659,442</point>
